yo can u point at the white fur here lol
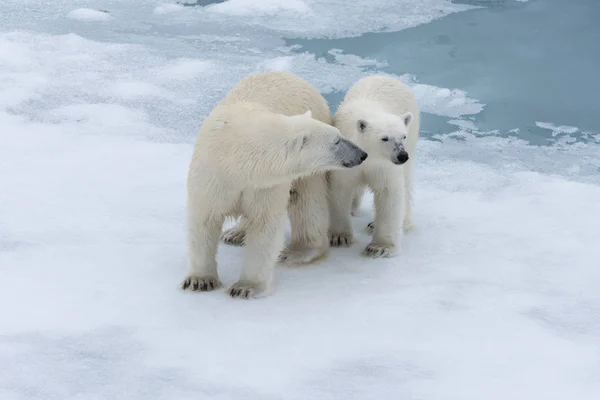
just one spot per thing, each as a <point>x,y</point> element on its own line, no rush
<point>244,162</point>
<point>288,94</point>
<point>376,108</point>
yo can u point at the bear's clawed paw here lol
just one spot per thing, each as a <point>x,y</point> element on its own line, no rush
<point>371,227</point>
<point>246,290</point>
<point>233,236</point>
<point>341,239</point>
<point>299,255</point>
<point>200,284</point>
<point>375,250</point>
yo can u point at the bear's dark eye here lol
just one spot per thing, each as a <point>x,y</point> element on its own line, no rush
<point>362,125</point>
<point>337,141</point>
<point>385,139</point>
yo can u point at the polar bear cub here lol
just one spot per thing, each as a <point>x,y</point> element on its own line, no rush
<point>380,114</point>
<point>308,208</point>
<point>245,159</point>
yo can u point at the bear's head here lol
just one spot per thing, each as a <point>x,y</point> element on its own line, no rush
<point>382,135</point>
<point>313,145</point>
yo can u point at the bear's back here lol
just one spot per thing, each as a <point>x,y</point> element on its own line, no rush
<point>282,93</point>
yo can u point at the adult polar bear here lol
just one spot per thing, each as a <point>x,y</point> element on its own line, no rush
<point>380,114</point>
<point>288,94</point>
<point>244,162</point>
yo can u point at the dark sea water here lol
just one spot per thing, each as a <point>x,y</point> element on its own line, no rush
<point>526,61</point>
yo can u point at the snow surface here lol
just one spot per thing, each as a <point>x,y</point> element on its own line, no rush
<point>88,14</point>
<point>167,8</point>
<point>494,297</point>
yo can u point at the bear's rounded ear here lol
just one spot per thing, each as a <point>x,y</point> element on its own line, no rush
<point>308,114</point>
<point>407,118</point>
<point>361,125</point>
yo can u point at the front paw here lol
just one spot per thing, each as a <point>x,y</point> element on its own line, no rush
<point>200,284</point>
<point>341,239</point>
<point>247,290</point>
<point>376,250</point>
<point>234,236</point>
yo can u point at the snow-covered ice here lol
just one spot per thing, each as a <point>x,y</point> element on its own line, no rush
<point>167,8</point>
<point>326,18</point>
<point>265,7</point>
<point>351,59</point>
<point>442,101</point>
<point>89,14</point>
<point>557,129</point>
<point>494,297</point>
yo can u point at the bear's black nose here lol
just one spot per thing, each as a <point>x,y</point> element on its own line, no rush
<point>402,157</point>
<point>364,156</point>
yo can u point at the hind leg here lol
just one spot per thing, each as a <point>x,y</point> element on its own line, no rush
<point>357,201</point>
<point>235,236</point>
<point>308,210</point>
